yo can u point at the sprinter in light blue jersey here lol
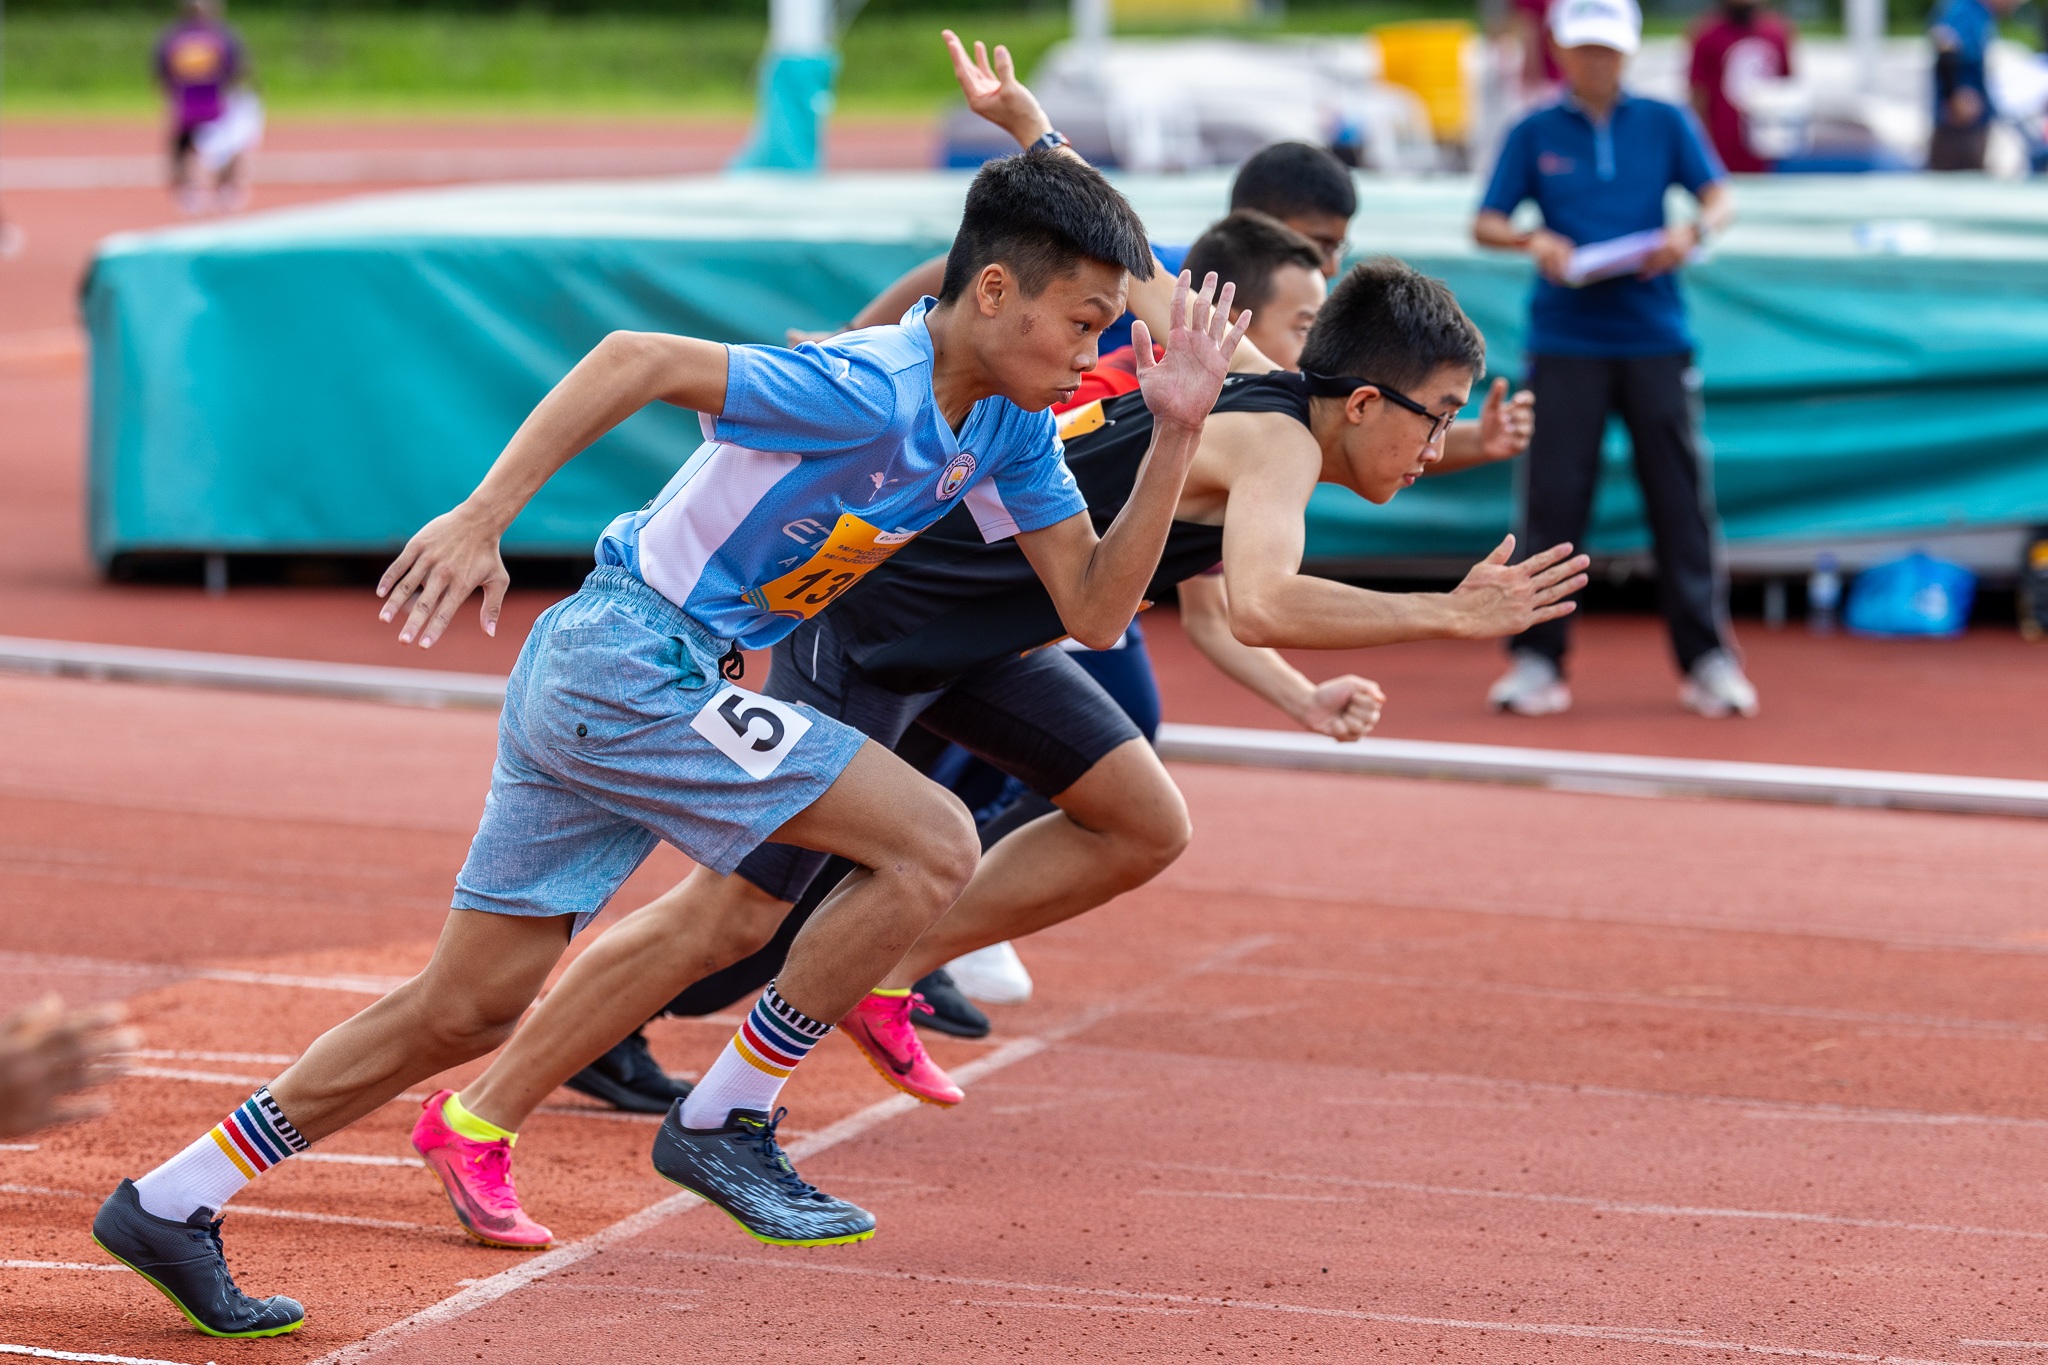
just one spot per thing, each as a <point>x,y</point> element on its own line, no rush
<point>823,461</point>
<point>620,727</point>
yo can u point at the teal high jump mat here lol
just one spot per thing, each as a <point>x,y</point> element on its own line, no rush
<point>326,379</point>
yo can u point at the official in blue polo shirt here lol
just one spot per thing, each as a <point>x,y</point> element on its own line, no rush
<point>1607,333</point>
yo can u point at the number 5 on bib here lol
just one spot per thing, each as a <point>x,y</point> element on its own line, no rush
<point>753,731</point>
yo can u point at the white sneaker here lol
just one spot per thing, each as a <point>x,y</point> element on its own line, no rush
<point>1531,687</point>
<point>993,975</point>
<point>1717,688</point>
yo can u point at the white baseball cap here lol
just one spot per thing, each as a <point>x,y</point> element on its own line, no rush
<point>1597,23</point>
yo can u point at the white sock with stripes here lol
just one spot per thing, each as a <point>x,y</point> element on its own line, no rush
<point>749,1074</point>
<point>213,1170</point>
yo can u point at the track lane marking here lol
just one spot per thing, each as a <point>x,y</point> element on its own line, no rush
<point>1074,1307</point>
<point>1998,1029</point>
<point>1598,1205</point>
<point>58,1265</point>
<point>487,1291</point>
<point>43,1353</point>
<point>1651,1336</point>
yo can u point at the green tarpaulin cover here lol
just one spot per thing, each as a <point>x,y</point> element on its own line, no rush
<point>327,379</point>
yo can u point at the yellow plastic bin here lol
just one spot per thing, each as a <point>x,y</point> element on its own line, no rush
<point>1427,56</point>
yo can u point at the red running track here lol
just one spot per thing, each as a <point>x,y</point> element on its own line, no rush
<point>1381,1070</point>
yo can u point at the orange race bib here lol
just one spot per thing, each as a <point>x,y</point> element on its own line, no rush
<point>853,548</point>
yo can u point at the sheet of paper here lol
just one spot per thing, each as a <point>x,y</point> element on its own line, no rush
<point>1616,256</point>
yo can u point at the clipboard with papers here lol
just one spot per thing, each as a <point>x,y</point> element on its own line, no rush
<point>1617,256</point>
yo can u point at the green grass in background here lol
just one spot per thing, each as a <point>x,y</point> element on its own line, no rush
<point>98,64</point>
<point>69,63</point>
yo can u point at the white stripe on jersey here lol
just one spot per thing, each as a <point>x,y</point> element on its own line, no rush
<point>682,534</point>
<point>985,502</point>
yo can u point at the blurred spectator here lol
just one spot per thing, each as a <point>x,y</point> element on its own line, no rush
<point>1608,334</point>
<point>1530,22</point>
<point>200,65</point>
<point>46,1054</point>
<point>1734,45</point>
<point>1962,32</point>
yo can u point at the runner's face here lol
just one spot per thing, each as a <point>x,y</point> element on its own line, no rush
<point>1042,346</point>
<point>1384,446</point>
<point>1327,231</point>
<point>1280,325</point>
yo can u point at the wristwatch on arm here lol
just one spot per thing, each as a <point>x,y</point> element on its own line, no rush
<point>1048,140</point>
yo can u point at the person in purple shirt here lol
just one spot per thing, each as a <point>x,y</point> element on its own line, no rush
<point>199,61</point>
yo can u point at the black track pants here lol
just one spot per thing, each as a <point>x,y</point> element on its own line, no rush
<point>1657,398</point>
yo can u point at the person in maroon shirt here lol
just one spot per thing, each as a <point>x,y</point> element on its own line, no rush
<point>1736,42</point>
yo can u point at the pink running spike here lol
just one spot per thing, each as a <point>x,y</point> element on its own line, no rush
<point>880,1027</point>
<point>478,1179</point>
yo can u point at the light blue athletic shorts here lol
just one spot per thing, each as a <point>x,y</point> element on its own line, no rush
<point>618,731</point>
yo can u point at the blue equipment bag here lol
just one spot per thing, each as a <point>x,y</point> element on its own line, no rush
<point>1916,595</point>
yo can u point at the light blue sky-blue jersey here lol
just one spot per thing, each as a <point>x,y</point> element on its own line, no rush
<point>827,459</point>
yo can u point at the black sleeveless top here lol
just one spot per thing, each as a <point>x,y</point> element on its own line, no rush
<point>948,601</point>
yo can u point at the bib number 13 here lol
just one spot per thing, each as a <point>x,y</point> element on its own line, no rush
<point>753,731</point>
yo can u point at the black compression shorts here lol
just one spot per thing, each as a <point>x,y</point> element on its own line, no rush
<point>1038,717</point>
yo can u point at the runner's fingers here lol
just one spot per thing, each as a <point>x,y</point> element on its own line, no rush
<point>397,570</point>
<point>1179,317</point>
<point>1551,613</point>
<point>1006,70</point>
<point>423,607</point>
<point>1141,347</point>
<point>494,601</point>
<point>403,591</point>
<point>1556,591</point>
<point>1559,571</point>
<point>1543,559</point>
<point>1219,324</point>
<point>1501,552</point>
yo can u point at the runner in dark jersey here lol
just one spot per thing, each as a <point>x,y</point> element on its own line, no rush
<point>1391,360</point>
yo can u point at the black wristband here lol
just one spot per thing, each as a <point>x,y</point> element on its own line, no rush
<point>1049,140</point>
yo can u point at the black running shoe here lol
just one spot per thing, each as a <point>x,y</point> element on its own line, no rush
<point>741,1169</point>
<point>629,1078</point>
<point>185,1262</point>
<point>951,1012</point>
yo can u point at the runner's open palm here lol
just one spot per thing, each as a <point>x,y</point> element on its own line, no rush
<point>1500,598</point>
<point>994,92</point>
<point>1182,385</point>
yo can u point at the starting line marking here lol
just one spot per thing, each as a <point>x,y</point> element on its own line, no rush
<point>1559,769</point>
<point>41,1353</point>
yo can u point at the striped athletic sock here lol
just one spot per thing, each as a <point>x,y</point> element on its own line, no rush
<point>749,1073</point>
<point>207,1174</point>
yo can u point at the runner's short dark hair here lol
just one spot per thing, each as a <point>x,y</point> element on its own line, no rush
<point>1245,249</point>
<point>1288,179</point>
<point>1387,321</point>
<point>1041,214</point>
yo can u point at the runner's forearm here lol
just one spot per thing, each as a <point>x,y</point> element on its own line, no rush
<point>621,375</point>
<point>1111,584</point>
<point>1301,612</point>
<point>892,303</point>
<point>1205,616</point>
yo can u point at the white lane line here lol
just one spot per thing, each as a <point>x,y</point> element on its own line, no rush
<point>1607,774</point>
<point>40,1353</point>
<point>1900,939</point>
<point>1755,1108</point>
<point>1985,1028</point>
<point>1597,1204</point>
<point>266,1058</point>
<point>159,1073</point>
<point>1074,1307</point>
<point>352,1159</point>
<point>20,1146</point>
<point>41,1189</point>
<point>526,1272</point>
<point>42,964</point>
<point>340,1219</point>
<point>58,1265</point>
<point>1651,1336</point>
<point>2021,1345</point>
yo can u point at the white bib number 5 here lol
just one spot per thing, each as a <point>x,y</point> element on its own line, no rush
<point>753,731</point>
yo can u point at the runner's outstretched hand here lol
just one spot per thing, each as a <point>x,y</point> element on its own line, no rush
<point>1506,424</point>
<point>1499,598</point>
<point>46,1054</point>
<point>1181,386</point>
<point>446,560</point>
<point>995,93</point>
<point>1344,708</point>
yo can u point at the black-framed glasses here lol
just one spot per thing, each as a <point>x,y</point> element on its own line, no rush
<point>1343,386</point>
